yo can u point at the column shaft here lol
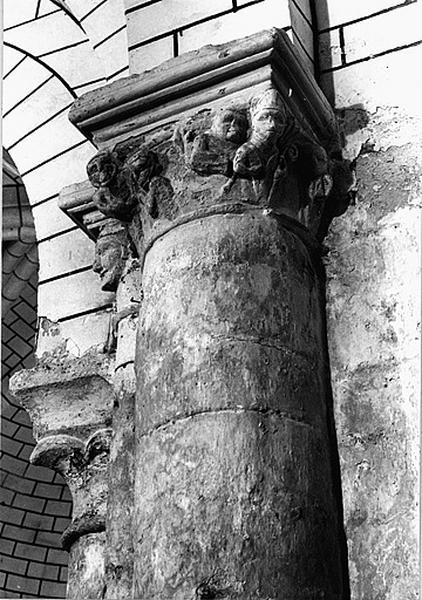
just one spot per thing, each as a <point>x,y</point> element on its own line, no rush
<point>233,487</point>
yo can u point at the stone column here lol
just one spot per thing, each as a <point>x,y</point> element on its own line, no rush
<point>226,205</point>
<point>119,534</point>
<point>70,404</point>
<point>233,488</point>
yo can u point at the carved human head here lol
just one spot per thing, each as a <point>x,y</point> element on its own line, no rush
<point>102,168</point>
<point>111,252</point>
<point>268,113</point>
<point>230,124</point>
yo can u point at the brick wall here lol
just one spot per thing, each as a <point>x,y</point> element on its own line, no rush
<point>36,503</point>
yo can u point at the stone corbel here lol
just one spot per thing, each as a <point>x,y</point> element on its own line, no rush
<point>70,404</point>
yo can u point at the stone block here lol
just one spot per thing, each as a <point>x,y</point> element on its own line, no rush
<point>383,81</point>
<point>334,13</point>
<point>60,525</point>
<point>168,15</point>
<point>39,473</point>
<point>82,7</point>
<point>108,17</point>
<point>15,13</point>
<point>113,53</point>
<point>18,484</point>
<point>13,565</point>
<point>29,503</point>
<point>44,35</point>
<point>25,435</point>
<point>58,508</point>
<point>45,102</point>
<point>38,521</point>
<point>50,178</point>
<point>71,295</point>
<point>53,589</point>
<point>13,465</point>
<point>70,251</point>
<point>236,25</point>
<point>11,515</point>
<point>11,58</point>
<point>48,143</point>
<point>6,546</point>
<point>152,54</point>
<point>10,446</point>
<point>57,557</point>
<point>50,220</point>
<point>18,533</point>
<point>28,76</point>
<point>68,64</point>
<point>383,32</point>
<point>43,571</point>
<point>44,490</point>
<point>47,538</point>
<point>30,552</point>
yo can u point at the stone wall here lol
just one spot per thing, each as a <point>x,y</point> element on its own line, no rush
<point>162,29</point>
<point>369,57</point>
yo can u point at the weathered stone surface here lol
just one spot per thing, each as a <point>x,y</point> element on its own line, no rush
<point>66,395</point>
<point>244,510</point>
<point>119,550</point>
<point>119,535</point>
<point>233,491</point>
<point>373,288</point>
<point>86,568</point>
<point>70,402</point>
<point>234,482</point>
<point>231,317</point>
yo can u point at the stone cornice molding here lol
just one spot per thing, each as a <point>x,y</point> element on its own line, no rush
<point>182,84</point>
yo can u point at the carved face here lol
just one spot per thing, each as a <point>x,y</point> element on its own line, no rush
<point>101,169</point>
<point>110,254</point>
<point>231,125</point>
<point>268,120</point>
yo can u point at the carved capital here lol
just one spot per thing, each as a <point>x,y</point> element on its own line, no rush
<point>252,152</point>
<point>242,126</point>
<point>83,466</point>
